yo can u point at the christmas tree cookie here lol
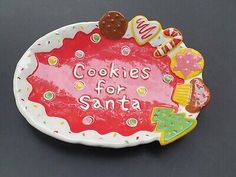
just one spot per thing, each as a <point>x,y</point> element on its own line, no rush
<point>171,125</point>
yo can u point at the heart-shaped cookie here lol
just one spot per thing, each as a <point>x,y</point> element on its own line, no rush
<point>144,30</point>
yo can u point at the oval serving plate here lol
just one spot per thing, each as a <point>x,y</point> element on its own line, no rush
<point>79,86</point>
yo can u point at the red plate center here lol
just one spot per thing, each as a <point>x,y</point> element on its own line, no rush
<point>101,84</point>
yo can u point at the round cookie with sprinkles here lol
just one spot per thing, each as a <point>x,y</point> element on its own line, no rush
<point>112,83</point>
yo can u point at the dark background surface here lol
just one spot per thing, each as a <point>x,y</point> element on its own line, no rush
<point>209,151</point>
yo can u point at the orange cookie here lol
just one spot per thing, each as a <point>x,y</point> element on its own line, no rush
<point>113,25</point>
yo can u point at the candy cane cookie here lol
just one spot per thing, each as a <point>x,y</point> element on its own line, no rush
<point>177,38</point>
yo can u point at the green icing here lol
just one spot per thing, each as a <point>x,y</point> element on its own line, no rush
<point>171,125</point>
<point>96,37</point>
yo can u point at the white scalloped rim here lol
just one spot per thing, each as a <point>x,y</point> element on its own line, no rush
<point>57,127</point>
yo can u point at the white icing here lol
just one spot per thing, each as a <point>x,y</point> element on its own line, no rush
<point>144,30</point>
<point>75,72</point>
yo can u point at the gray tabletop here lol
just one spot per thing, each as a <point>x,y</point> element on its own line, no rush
<point>210,150</point>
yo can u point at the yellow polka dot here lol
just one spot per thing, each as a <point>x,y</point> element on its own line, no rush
<point>114,135</point>
<point>79,85</point>
<point>35,106</point>
<point>142,91</point>
<point>52,60</point>
<point>81,27</point>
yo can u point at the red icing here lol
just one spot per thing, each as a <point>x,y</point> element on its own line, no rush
<point>60,80</point>
<point>144,28</point>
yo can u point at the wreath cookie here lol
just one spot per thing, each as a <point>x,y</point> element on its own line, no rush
<point>112,83</point>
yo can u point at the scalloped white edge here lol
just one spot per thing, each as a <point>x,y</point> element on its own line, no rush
<point>35,113</point>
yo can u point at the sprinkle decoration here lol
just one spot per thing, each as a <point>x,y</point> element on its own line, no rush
<point>35,106</point>
<point>114,135</point>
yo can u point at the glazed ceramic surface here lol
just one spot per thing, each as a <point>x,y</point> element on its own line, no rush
<point>78,86</point>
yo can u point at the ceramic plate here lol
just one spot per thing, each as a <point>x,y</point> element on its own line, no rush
<point>79,86</point>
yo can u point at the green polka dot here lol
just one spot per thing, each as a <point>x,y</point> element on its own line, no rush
<point>95,38</point>
<point>132,122</point>
<point>49,95</point>
<point>167,78</point>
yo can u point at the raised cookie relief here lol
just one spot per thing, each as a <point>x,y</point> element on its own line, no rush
<point>113,25</point>
<point>176,38</point>
<point>194,95</point>
<point>187,63</point>
<point>112,83</point>
<point>171,125</point>
<point>143,30</point>
<point>200,96</point>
